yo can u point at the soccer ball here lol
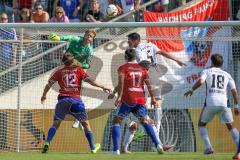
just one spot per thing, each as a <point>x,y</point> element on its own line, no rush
<point>112,10</point>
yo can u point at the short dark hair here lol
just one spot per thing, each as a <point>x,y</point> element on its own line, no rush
<point>134,36</point>
<point>217,60</point>
<point>130,54</point>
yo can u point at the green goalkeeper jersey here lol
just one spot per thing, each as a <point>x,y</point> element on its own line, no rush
<point>82,53</point>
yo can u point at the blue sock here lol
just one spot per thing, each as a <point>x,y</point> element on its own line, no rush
<point>116,133</point>
<point>51,133</point>
<point>89,137</point>
<point>151,133</point>
<point>238,149</point>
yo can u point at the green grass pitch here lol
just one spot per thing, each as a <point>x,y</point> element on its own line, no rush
<point>107,156</point>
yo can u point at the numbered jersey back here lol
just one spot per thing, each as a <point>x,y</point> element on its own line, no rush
<point>147,52</point>
<point>133,85</point>
<point>69,80</point>
<point>217,82</point>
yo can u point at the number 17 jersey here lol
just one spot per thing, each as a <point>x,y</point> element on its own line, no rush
<point>217,82</point>
<point>134,77</point>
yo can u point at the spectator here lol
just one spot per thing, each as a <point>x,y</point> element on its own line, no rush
<point>72,8</point>
<point>25,16</point>
<point>6,6</point>
<point>39,15</point>
<point>103,6</point>
<point>8,50</point>
<point>59,16</point>
<point>94,14</point>
<point>127,6</point>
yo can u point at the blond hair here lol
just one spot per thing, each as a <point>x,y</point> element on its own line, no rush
<point>91,31</point>
<point>59,9</point>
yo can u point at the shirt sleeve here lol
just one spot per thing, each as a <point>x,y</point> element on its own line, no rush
<point>155,48</point>
<point>54,77</point>
<point>203,75</point>
<point>120,70</point>
<point>82,73</point>
<point>139,56</point>
<point>69,38</point>
<point>231,83</point>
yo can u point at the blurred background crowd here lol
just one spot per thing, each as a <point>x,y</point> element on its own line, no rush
<point>27,11</point>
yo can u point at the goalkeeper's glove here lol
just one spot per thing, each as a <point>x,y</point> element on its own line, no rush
<point>54,37</point>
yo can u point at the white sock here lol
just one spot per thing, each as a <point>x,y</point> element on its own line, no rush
<point>128,137</point>
<point>204,135</point>
<point>235,135</point>
<point>158,118</point>
<point>157,134</point>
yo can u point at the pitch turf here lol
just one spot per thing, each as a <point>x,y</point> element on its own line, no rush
<point>107,156</point>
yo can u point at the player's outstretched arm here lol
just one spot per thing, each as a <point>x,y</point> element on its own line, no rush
<point>195,86</point>
<point>112,95</point>
<point>45,91</point>
<point>235,99</point>
<point>94,83</point>
<point>150,90</point>
<point>55,37</point>
<point>169,56</point>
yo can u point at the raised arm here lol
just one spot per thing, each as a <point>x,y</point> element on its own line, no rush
<point>194,87</point>
<point>169,56</point>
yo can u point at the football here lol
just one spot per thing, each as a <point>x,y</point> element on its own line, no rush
<point>112,10</point>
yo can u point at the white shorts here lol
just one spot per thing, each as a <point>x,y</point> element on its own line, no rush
<point>224,113</point>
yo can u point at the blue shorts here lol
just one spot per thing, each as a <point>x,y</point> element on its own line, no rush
<point>139,110</point>
<point>72,106</point>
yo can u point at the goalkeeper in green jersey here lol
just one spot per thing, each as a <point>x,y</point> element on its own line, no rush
<point>80,47</point>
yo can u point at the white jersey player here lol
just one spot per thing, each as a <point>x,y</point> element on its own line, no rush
<point>147,52</point>
<point>217,82</point>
